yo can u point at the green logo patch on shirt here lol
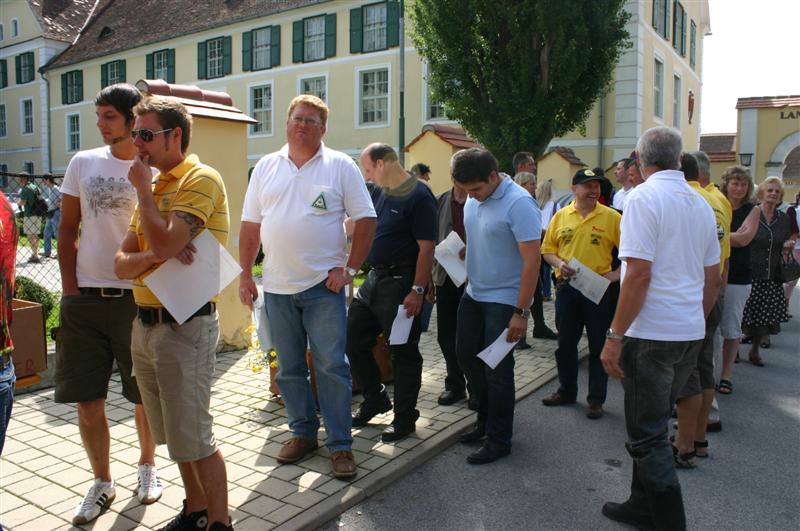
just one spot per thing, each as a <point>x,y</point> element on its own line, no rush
<point>319,202</point>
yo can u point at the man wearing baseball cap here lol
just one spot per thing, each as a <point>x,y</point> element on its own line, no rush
<point>589,232</point>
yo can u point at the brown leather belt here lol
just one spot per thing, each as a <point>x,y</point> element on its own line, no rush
<point>151,316</point>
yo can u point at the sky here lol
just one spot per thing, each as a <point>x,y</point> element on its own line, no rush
<point>753,50</point>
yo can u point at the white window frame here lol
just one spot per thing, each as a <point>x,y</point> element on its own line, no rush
<point>23,67</point>
<point>69,134</point>
<point>72,87</point>
<point>113,79</point>
<point>218,45</point>
<point>23,120</point>
<point>310,42</point>
<point>161,71</point>
<point>375,30</point>
<point>306,77</point>
<point>14,28</point>
<point>426,100</point>
<point>3,121</point>
<point>262,134</point>
<point>658,90</point>
<point>357,94</point>
<point>677,90</point>
<point>262,50</point>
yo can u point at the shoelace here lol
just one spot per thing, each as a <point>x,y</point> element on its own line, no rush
<point>148,479</point>
<point>92,497</point>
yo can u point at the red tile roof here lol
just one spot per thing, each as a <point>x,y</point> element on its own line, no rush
<point>207,103</point>
<point>767,102</point>
<point>61,20</point>
<point>566,153</point>
<point>453,135</point>
<point>719,147</point>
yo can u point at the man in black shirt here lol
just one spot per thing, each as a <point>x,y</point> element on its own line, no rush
<point>401,260</point>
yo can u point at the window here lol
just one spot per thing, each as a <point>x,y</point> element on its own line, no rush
<point>658,89</point>
<point>161,65</point>
<point>2,33</point>
<point>73,133</point>
<point>214,58</point>
<point>3,178</point>
<point>3,127</point>
<point>72,87</point>
<point>661,18</point>
<point>261,48</point>
<point>316,86</point>
<point>112,73</point>
<point>679,28</point>
<point>3,73</point>
<point>27,117</point>
<point>434,109</point>
<point>28,167</point>
<point>314,38</point>
<point>25,67</point>
<point>373,98</point>
<point>14,28</point>
<point>676,101</point>
<point>261,109</point>
<point>374,27</point>
<point>693,45</point>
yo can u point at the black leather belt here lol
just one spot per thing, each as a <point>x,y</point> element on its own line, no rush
<point>151,316</point>
<point>5,361</point>
<point>408,264</point>
<point>108,293</point>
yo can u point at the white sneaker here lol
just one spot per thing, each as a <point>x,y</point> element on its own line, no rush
<point>149,488</point>
<point>100,496</point>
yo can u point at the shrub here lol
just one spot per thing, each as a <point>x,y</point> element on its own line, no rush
<point>31,291</point>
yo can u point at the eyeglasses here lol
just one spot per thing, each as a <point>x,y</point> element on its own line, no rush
<point>146,134</point>
<point>297,120</point>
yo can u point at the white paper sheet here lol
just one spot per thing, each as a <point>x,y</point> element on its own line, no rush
<point>592,285</point>
<point>401,327</point>
<point>494,353</point>
<point>183,289</point>
<point>447,254</point>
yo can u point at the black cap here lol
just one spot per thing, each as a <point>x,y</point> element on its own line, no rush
<point>586,175</point>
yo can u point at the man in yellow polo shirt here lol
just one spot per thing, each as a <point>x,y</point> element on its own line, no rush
<point>174,364</point>
<point>589,232</point>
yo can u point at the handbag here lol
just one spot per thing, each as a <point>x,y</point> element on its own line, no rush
<point>790,269</point>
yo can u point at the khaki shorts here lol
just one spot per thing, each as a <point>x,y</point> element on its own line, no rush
<point>32,225</point>
<point>174,367</point>
<point>702,377</point>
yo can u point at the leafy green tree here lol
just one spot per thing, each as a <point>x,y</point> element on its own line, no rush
<point>516,73</point>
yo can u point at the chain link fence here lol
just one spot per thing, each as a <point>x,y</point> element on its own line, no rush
<point>38,275</point>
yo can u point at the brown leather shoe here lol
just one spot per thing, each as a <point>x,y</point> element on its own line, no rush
<point>594,411</point>
<point>295,449</point>
<point>558,399</point>
<point>343,464</point>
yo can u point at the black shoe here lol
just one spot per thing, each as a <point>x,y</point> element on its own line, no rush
<point>594,411</point>
<point>713,427</point>
<point>472,403</point>
<point>217,526</point>
<point>370,408</point>
<point>544,333</point>
<point>188,522</point>
<point>522,345</point>
<point>474,435</point>
<point>558,399</point>
<point>448,398</point>
<point>488,453</point>
<point>622,512</point>
<point>395,432</point>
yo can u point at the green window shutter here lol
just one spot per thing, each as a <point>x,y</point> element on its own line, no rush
<point>275,46</point>
<point>667,19</point>
<point>392,24</point>
<point>356,30</point>
<point>104,75</point>
<point>64,89</point>
<point>227,55</point>
<point>149,68</point>
<point>247,53</point>
<point>201,60</point>
<point>171,65</point>
<point>79,83</point>
<point>18,69</point>
<point>3,73</point>
<point>683,33</point>
<point>122,73</point>
<point>297,41</point>
<point>330,35</point>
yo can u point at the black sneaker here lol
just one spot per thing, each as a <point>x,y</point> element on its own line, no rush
<point>370,408</point>
<point>217,526</point>
<point>197,521</point>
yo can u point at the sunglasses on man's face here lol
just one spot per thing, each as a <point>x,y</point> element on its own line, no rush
<point>146,134</point>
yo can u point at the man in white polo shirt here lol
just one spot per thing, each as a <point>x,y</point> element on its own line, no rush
<point>670,279</point>
<point>297,201</point>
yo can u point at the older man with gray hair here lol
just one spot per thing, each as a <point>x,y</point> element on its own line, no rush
<point>670,280</point>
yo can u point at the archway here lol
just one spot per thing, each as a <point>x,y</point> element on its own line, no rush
<point>780,155</point>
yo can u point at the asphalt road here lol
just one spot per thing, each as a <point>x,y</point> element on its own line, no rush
<point>563,467</point>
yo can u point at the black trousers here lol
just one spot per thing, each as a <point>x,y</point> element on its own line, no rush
<point>371,312</point>
<point>447,298</point>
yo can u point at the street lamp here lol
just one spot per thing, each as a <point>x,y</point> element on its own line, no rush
<point>745,159</point>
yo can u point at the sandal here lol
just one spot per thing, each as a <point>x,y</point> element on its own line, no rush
<point>683,460</point>
<point>765,344</point>
<point>725,387</point>
<point>746,340</point>
<point>703,446</point>
<point>758,362</point>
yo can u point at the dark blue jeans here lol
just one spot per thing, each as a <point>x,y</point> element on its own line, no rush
<point>7,380</point>
<point>479,324</point>
<point>573,312</point>
<point>448,297</point>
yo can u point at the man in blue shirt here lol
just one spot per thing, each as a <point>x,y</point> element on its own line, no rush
<point>401,260</point>
<point>503,226</point>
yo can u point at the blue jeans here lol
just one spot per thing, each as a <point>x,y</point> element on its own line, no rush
<point>479,324</point>
<point>7,379</point>
<point>51,231</point>
<point>316,316</point>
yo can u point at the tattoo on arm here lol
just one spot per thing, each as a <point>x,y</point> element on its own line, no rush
<point>195,223</point>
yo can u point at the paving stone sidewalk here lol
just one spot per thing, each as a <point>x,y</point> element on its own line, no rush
<point>44,470</point>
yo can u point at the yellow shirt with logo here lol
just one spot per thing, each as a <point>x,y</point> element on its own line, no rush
<point>723,215</point>
<point>591,239</point>
<point>190,187</point>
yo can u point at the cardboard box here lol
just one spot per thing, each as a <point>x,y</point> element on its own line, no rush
<point>28,334</point>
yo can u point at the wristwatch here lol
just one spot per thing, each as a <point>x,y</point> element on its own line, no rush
<point>611,335</point>
<point>522,312</point>
<point>419,290</point>
<point>350,271</point>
